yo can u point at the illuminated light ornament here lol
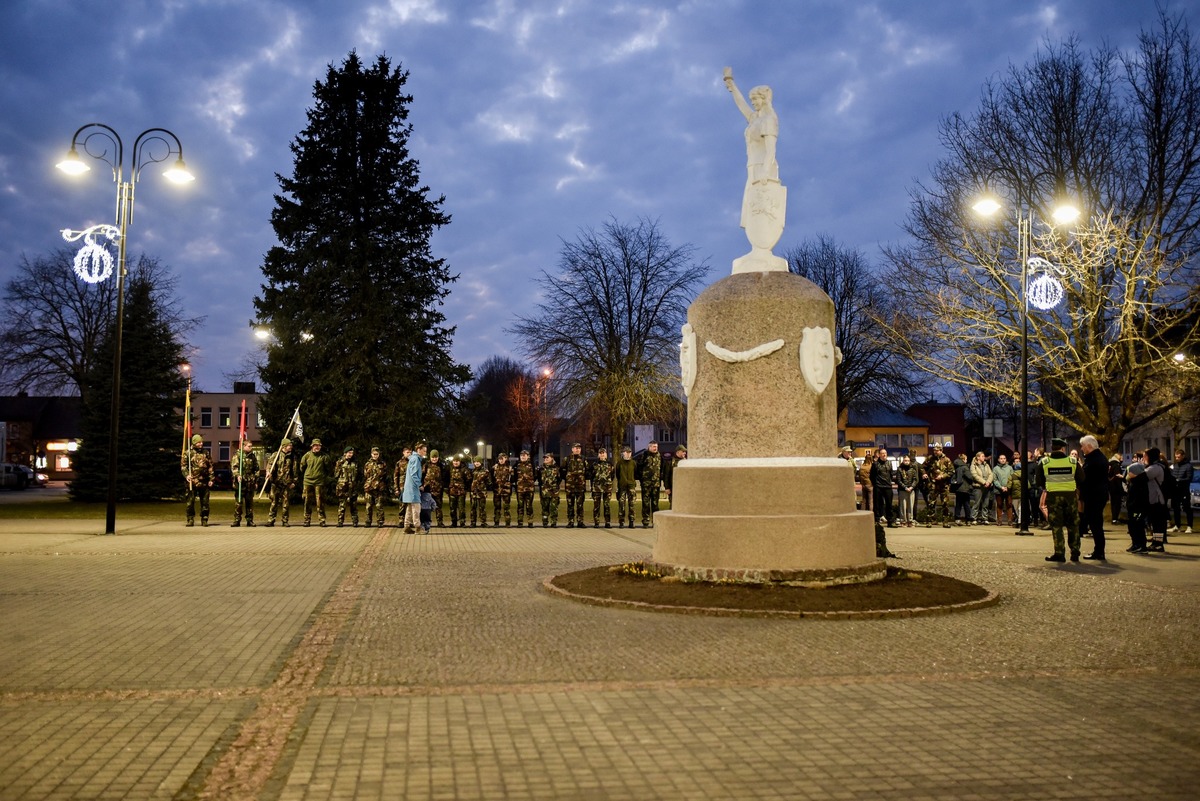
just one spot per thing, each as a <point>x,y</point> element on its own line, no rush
<point>93,262</point>
<point>1045,292</point>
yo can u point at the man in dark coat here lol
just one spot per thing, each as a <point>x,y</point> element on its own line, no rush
<point>1094,494</point>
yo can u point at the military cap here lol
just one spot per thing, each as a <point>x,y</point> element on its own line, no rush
<point>197,439</point>
<point>374,449</point>
<point>502,456</point>
<point>847,449</point>
<point>456,458</point>
<point>316,442</point>
<point>433,454</point>
<point>548,455</point>
<point>576,445</point>
<point>680,449</point>
<point>525,451</point>
<point>602,449</point>
<point>627,449</point>
<point>348,449</point>
<point>286,441</point>
<point>1058,442</point>
<point>936,445</point>
<point>477,458</point>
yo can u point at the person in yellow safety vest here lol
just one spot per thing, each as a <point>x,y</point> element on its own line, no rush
<point>1060,500</point>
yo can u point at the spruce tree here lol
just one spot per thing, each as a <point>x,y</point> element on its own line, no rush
<point>150,423</point>
<point>353,292</point>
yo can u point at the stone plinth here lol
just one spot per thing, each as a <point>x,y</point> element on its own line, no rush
<point>761,496</point>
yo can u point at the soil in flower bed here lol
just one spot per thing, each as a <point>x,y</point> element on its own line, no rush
<point>899,590</point>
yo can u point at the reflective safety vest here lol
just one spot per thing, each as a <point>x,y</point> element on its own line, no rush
<point>1060,474</point>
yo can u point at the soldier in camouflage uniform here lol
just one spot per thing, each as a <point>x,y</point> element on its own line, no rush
<point>502,480</point>
<point>526,479</point>
<point>282,478</point>
<point>575,470</point>
<point>459,476</point>
<point>244,467</point>
<point>435,481</point>
<point>479,488</point>
<point>650,472</point>
<point>345,477</point>
<point>198,472</point>
<point>1060,500</point>
<point>626,472</point>
<point>374,486</point>
<point>550,479</point>
<point>939,470</point>
<point>602,475</point>
<point>398,476</point>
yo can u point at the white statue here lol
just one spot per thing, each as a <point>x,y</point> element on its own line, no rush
<point>764,199</point>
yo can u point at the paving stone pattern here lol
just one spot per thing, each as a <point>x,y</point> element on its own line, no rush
<point>166,663</point>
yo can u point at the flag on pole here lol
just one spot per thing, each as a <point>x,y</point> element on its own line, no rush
<point>299,426</point>
<point>242,424</point>
<point>187,421</point>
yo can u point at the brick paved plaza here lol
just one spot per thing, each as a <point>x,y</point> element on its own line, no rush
<point>326,663</point>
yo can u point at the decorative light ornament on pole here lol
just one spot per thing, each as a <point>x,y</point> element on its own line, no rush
<point>1044,293</point>
<point>148,149</point>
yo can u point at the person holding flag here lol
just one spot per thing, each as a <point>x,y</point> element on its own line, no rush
<point>198,472</point>
<point>245,483</point>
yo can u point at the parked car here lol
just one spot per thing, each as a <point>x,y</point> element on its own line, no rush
<point>15,476</point>
<point>36,479</point>
<point>1196,491</point>
<point>222,478</point>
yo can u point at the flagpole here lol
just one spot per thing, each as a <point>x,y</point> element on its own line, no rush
<point>241,456</point>
<point>275,456</point>
<point>187,419</point>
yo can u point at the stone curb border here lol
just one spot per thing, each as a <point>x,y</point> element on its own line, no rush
<point>991,599</point>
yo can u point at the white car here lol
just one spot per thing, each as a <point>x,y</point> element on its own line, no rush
<point>15,476</point>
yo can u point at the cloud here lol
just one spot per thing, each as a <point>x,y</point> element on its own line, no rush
<point>380,19</point>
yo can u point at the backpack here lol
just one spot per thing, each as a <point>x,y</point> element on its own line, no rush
<point>1169,484</point>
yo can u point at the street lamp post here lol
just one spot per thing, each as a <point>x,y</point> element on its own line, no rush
<point>1064,212</point>
<point>96,139</point>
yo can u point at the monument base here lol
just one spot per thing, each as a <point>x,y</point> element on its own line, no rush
<point>757,521</point>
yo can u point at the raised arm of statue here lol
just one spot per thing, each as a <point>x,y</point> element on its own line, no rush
<point>742,105</point>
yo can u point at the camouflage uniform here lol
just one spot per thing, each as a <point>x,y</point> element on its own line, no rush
<point>374,487</point>
<point>939,469</point>
<point>602,475</point>
<point>458,490</point>
<point>198,472</point>
<point>502,480</point>
<point>479,488</point>
<point>244,466</point>
<point>399,473</point>
<point>626,473</point>
<point>526,476</point>
<point>283,475</point>
<point>651,476</point>
<point>550,479</point>
<point>345,476</point>
<point>314,470</point>
<point>435,481</point>
<point>575,470</point>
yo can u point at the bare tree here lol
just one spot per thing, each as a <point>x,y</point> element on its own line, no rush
<point>487,400</point>
<point>872,371</point>
<point>54,322</point>
<point>1121,134</point>
<point>608,328</point>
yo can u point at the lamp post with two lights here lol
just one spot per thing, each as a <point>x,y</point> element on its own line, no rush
<point>1046,294</point>
<point>102,143</point>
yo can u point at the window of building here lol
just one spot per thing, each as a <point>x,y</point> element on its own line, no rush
<point>224,419</point>
<point>946,440</point>
<point>887,440</point>
<point>1191,446</point>
<point>206,417</point>
<point>913,441</point>
<point>222,451</point>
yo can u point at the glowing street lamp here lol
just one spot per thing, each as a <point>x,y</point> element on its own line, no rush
<point>1044,293</point>
<point>152,146</point>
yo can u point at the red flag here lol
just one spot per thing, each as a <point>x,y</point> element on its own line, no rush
<point>242,425</point>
